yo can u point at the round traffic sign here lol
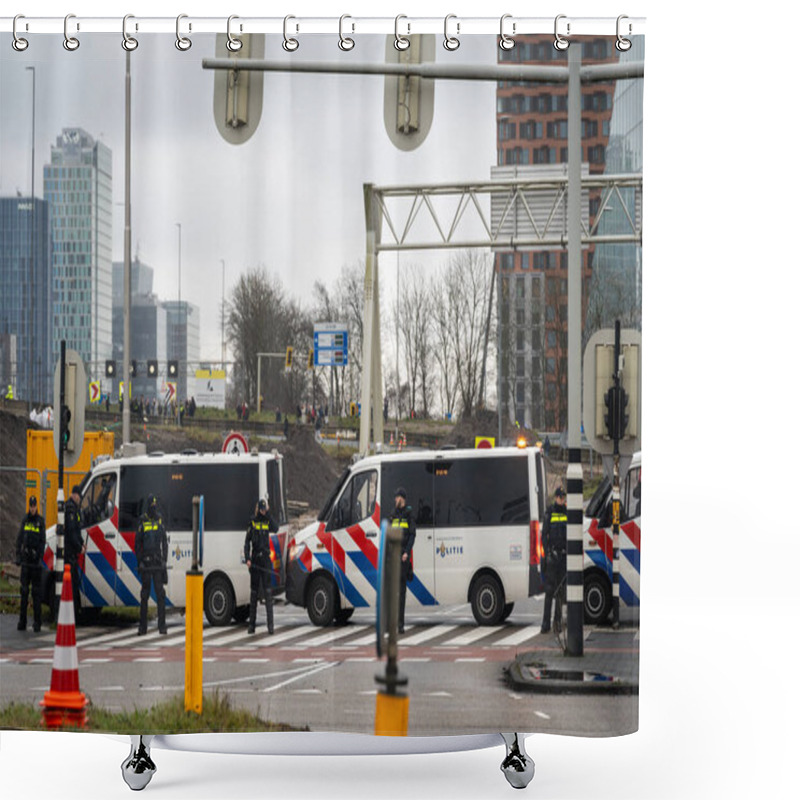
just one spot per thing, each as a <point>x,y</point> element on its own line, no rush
<point>235,443</point>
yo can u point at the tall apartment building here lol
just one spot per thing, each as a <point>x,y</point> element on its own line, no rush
<point>532,296</point>
<point>77,186</point>
<point>26,299</point>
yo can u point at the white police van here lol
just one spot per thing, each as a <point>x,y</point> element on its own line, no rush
<point>598,545</point>
<point>477,514</point>
<point>113,496</point>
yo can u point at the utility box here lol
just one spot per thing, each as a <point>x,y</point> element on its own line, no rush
<point>42,457</point>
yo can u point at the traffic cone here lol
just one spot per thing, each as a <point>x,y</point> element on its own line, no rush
<point>65,704</point>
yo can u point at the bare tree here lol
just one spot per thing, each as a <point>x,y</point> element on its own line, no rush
<point>466,291</point>
<point>261,319</point>
<point>413,320</point>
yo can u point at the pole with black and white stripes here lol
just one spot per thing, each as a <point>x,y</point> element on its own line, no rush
<point>574,336</point>
<point>59,564</point>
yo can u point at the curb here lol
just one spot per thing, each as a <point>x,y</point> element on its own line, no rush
<point>540,677</point>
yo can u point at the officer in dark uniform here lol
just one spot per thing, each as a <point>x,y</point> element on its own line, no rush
<point>150,546</point>
<point>73,545</point>
<point>403,518</point>
<point>554,543</point>
<point>31,542</point>
<point>257,556</point>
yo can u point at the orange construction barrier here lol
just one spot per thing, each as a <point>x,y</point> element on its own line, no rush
<point>65,705</point>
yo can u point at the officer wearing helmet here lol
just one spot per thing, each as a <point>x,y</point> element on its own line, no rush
<point>150,546</point>
<point>259,562</point>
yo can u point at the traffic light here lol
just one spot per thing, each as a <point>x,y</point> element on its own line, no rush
<point>353,409</point>
<point>616,420</point>
<point>172,368</point>
<point>65,430</point>
<point>132,369</point>
<point>152,368</point>
<point>111,369</point>
<point>310,364</point>
<point>288,362</point>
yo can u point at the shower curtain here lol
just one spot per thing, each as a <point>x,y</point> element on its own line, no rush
<point>330,262</point>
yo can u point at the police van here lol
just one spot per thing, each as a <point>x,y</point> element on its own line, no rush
<point>113,496</point>
<point>598,545</point>
<point>477,514</point>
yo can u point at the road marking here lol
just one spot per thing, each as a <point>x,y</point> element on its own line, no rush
<point>542,714</point>
<point>471,660</point>
<point>528,632</point>
<point>95,660</point>
<point>473,636</point>
<point>424,636</point>
<point>110,688</point>
<point>366,660</point>
<point>148,660</point>
<point>253,660</point>
<point>438,694</point>
<point>306,691</point>
<point>418,660</point>
<point>308,674</point>
<point>370,637</point>
<point>41,661</point>
<point>341,633</point>
<point>240,634</point>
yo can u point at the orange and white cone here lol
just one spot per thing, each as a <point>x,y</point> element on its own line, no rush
<point>65,704</point>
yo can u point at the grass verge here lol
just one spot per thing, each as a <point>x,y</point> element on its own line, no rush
<point>219,716</point>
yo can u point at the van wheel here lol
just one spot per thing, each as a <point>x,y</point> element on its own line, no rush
<point>218,601</point>
<point>596,598</point>
<point>488,600</point>
<point>321,601</point>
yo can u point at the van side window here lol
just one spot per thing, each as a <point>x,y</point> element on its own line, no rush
<point>481,491</point>
<point>357,502</point>
<point>416,477</point>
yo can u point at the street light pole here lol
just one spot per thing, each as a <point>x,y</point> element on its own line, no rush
<point>222,343</point>
<point>32,304</point>
<point>179,337</point>
<point>126,275</point>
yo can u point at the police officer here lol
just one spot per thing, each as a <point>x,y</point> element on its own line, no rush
<point>257,556</point>
<point>73,544</point>
<point>31,542</point>
<point>150,545</point>
<point>554,543</point>
<point>403,518</point>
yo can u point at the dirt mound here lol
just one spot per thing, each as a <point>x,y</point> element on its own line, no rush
<point>13,454</point>
<point>310,472</point>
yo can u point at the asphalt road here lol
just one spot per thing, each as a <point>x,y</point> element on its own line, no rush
<point>322,678</point>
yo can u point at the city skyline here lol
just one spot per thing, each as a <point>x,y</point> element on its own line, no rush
<point>230,201</point>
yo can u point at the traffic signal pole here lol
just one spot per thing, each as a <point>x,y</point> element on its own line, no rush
<point>617,411</point>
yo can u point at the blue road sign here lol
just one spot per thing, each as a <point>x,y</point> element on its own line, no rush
<point>330,345</point>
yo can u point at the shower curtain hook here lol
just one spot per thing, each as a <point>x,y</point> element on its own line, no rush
<point>70,42</point>
<point>289,44</point>
<point>183,43</point>
<point>506,42</point>
<point>622,44</point>
<point>451,42</point>
<point>18,43</point>
<point>128,42</point>
<point>401,42</point>
<point>345,42</point>
<point>233,44</point>
<point>560,42</point>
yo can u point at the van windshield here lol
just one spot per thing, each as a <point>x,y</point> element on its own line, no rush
<point>599,498</point>
<point>326,509</point>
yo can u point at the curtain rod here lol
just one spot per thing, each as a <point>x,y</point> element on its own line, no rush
<point>453,26</point>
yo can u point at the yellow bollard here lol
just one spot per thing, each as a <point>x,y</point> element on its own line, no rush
<point>391,715</point>
<point>193,692</point>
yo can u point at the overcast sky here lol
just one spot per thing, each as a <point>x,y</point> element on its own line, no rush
<point>289,199</point>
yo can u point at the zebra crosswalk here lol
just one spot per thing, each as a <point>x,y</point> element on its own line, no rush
<point>425,638</point>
